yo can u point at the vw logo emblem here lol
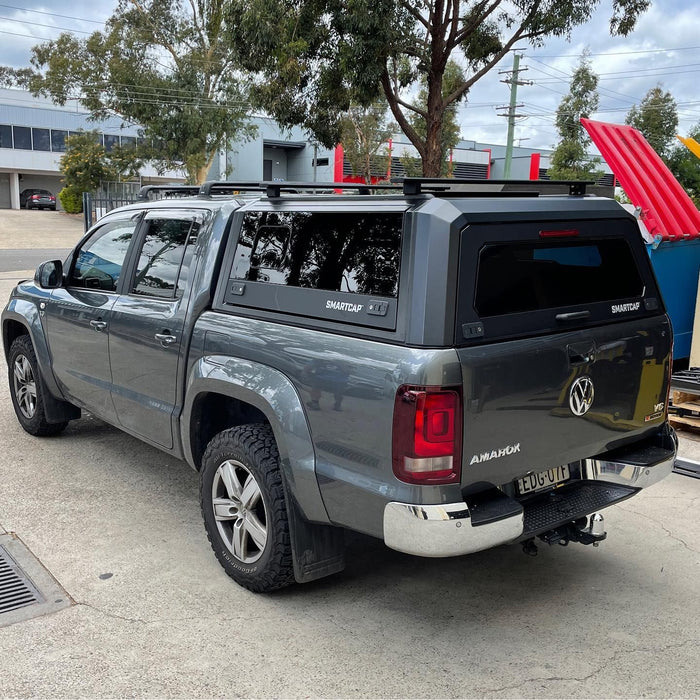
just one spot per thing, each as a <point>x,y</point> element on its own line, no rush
<point>581,396</point>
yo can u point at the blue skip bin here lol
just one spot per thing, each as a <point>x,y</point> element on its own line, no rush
<point>676,265</point>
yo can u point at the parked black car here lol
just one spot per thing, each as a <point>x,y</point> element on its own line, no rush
<point>37,199</point>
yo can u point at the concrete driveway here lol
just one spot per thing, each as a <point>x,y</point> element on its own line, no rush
<point>117,523</point>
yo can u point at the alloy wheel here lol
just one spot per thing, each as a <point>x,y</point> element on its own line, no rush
<point>239,511</point>
<point>24,386</point>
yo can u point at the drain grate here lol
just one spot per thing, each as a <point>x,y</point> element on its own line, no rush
<point>16,590</point>
<point>27,589</point>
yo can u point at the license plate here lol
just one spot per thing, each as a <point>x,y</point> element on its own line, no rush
<point>543,480</point>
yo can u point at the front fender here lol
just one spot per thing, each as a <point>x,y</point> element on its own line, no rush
<point>274,395</point>
<point>26,313</point>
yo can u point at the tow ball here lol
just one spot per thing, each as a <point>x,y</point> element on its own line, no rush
<point>581,530</point>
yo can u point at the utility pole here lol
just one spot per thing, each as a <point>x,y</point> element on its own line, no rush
<point>513,80</point>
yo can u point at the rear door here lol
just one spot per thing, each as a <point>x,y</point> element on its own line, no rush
<point>564,344</point>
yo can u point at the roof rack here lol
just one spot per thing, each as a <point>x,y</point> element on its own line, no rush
<point>176,190</point>
<point>275,189</point>
<point>521,188</point>
<point>229,187</point>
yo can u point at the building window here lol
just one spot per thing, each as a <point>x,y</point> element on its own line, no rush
<point>22,137</point>
<point>58,140</point>
<point>128,141</point>
<point>111,142</point>
<point>320,161</point>
<point>41,139</point>
<point>5,136</point>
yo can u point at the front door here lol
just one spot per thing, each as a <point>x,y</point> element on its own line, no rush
<point>147,322</point>
<point>78,316</point>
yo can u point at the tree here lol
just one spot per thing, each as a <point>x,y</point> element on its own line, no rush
<point>318,56</point>
<point>167,65</point>
<point>364,133</point>
<point>449,127</point>
<point>86,163</point>
<point>685,166</point>
<point>656,118</point>
<point>570,160</point>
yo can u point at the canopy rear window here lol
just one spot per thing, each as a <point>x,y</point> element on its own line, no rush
<point>517,277</point>
<point>531,278</point>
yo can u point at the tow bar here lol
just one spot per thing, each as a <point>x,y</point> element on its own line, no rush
<point>580,530</point>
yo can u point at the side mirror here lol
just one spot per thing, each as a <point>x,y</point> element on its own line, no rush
<point>49,275</point>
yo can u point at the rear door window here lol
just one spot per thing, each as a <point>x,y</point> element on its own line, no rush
<point>541,277</point>
<point>165,256</point>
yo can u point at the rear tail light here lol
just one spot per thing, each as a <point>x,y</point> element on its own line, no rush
<point>52,198</point>
<point>36,196</point>
<point>427,435</point>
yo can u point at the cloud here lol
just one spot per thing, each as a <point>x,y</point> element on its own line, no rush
<point>625,77</point>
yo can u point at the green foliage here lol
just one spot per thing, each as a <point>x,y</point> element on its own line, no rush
<point>316,57</point>
<point>570,160</point>
<point>84,164</point>
<point>656,118</point>
<point>71,200</point>
<point>167,65</point>
<point>685,166</point>
<point>364,133</point>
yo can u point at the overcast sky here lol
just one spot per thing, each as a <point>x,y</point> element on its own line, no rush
<point>665,49</point>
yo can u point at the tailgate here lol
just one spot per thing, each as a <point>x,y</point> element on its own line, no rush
<point>565,348</point>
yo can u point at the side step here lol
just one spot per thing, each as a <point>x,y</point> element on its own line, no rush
<point>570,502</point>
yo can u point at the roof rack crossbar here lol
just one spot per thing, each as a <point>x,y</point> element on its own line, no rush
<point>275,189</point>
<point>417,185</point>
<point>242,186</point>
<point>147,189</point>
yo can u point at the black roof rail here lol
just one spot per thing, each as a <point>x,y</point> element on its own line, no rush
<point>229,187</point>
<point>525,188</point>
<point>179,190</point>
<point>275,189</point>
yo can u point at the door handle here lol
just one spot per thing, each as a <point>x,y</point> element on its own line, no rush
<point>98,325</point>
<point>165,338</point>
<point>581,354</point>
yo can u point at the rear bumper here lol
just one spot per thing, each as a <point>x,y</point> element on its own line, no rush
<point>638,469</point>
<point>447,530</point>
<point>444,530</point>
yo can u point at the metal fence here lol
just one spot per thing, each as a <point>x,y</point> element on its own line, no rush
<point>108,196</point>
<point>111,195</point>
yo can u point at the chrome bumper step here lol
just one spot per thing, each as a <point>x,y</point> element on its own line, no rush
<point>570,502</point>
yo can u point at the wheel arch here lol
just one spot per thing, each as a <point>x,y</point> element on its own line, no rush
<point>11,330</point>
<point>22,318</point>
<point>223,392</point>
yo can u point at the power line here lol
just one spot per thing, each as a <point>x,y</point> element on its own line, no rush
<point>615,53</point>
<point>48,26</point>
<point>52,14</point>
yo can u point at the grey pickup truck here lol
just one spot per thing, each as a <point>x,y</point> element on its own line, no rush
<point>443,368</point>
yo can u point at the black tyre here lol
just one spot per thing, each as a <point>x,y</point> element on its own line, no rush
<point>244,508</point>
<point>27,389</point>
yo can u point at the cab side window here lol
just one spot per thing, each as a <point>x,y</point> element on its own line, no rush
<point>98,263</point>
<point>165,257</point>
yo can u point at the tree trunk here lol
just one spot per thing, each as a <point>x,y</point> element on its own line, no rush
<point>432,160</point>
<point>200,174</point>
